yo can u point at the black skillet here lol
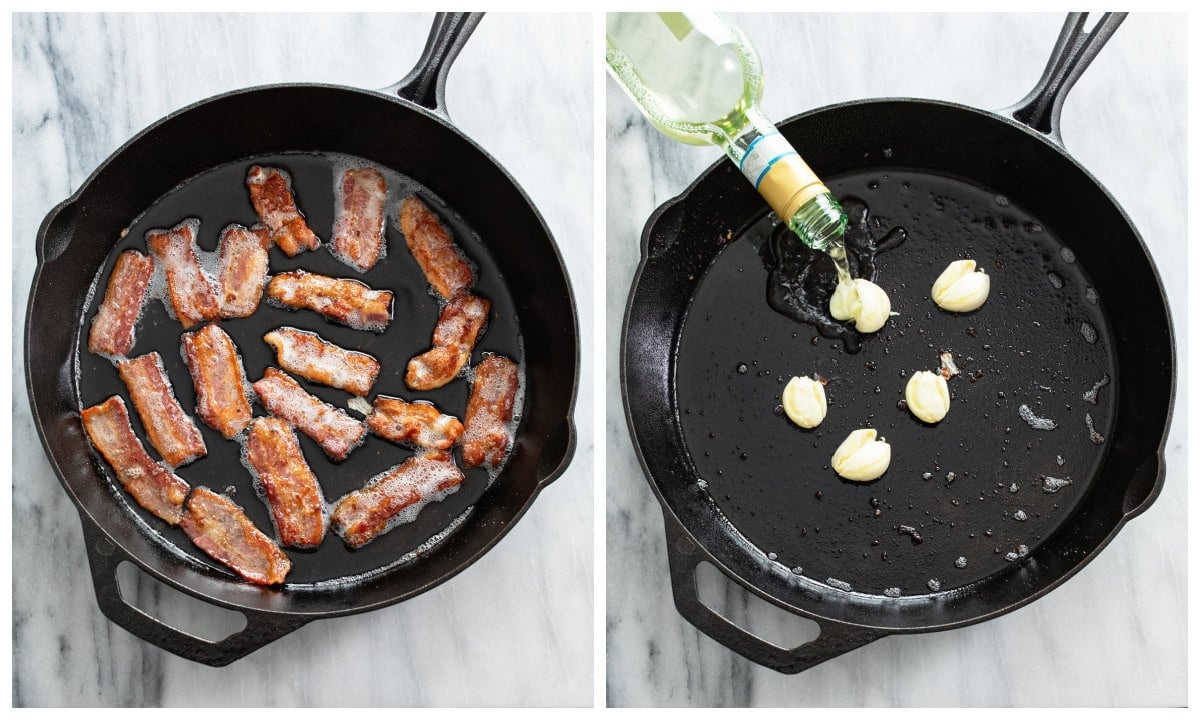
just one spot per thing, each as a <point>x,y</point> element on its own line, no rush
<point>193,163</point>
<point>1075,297</point>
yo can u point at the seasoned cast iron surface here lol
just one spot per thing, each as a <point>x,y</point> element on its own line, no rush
<point>218,198</point>
<point>1041,340</point>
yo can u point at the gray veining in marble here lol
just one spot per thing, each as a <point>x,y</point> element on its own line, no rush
<point>513,629</point>
<point>1114,635</point>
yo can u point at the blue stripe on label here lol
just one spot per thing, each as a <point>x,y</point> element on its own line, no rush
<point>767,169</point>
<point>750,149</point>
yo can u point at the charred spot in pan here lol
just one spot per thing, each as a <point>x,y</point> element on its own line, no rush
<point>801,280</point>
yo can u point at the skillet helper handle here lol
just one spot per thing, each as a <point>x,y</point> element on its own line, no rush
<point>1073,53</point>
<point>425,84</point>
<point>685,556</point>
<point>261,628</point>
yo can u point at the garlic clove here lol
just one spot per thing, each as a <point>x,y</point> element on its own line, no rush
<point>960,288</point>
<point>804,402</point>
<point>862,301</point>
<point>874,307</point>
<point>861,457</point>
<point>927,396</point>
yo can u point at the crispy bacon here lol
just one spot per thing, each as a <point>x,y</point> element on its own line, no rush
<point>489,410</point>
<point>454,338</point>
<point>358,227</point>
<point>364,514</point>
<point>440,259</point>
<point>348,302</point>
<point>112,331</point>
<point>308,355</point>
<point>336,432</point>
<point>291,488</point>
<point>219,379</point>
<point>191,291</point>
<point>418,423</point>
<point>221,529</point>
<point>172,431</point>
<point>151,484</point>
<point>271,194</point>
<point>242,256</point>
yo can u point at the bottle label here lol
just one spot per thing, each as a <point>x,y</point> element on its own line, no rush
<point>763,153</point>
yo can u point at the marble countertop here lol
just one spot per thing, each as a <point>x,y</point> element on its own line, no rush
<point>1114,635</point>
<point>513,629</point>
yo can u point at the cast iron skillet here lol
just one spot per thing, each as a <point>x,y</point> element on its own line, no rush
<point>704,360</point>
<point>403,128</point>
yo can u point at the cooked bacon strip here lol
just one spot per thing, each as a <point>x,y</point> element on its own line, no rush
<point>271,194</point>
<point>358,227</point>
<point>308,355</point>
<point>172,431</point>
<point>336,432</point>
<point>488,410</point>
<point>191,291</point>
<point>219,378</point>
<point>348,302</point>
<point>292,491</point>
<point>440,259</point>
<point>112,331</point>
<point>363,515</point>
<point>151,484</point>
<point>242,256</point>
<point>454,338</point>
<point>418,423</point>
<point>221,529</point>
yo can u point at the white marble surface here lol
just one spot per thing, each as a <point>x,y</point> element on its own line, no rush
<point>1115,635</point>
<point>513,629</point>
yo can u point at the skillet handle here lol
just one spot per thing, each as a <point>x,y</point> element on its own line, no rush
<point>1073,52</point>
<point>685,556</point>
<point>261,627</point>
<point>425,84</point>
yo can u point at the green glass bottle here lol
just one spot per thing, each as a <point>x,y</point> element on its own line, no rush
<point>698,79</point>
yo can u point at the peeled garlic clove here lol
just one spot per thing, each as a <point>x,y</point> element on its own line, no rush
<point>959,288</point>
<point>804,402</point>
<point>862,457</point>
<point>862,301</point>
<point>927,396</point>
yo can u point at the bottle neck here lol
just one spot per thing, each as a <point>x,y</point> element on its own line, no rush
<point>789,186</point>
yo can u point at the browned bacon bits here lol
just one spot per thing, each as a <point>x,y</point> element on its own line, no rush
<point>358,227</point>
<point>292,491</point>
<point>336,432</point>
<point>395,497</point>
<point>440,259</point>
<point>348,302</point>
<point>242,256</point>
<point>454,338</point>
<point>489,411</point>
<point>221,529</point>
<point>191,290</point>
<point>306,354</point>
<point>416,423</point>
<point>271,194</point>
<point>151,484</point>
<point>112,331</point>
<point>219,380</point>
<point>172,431</point>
